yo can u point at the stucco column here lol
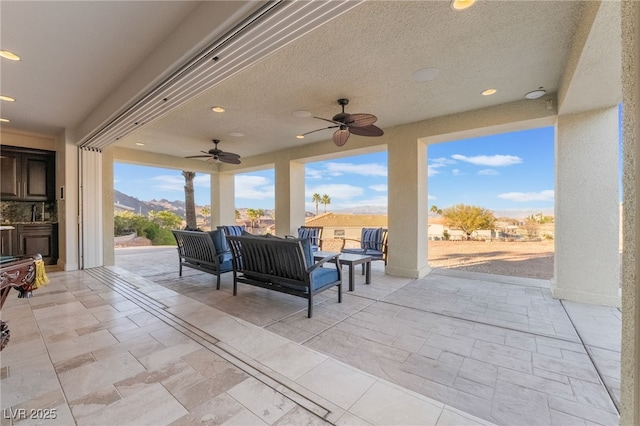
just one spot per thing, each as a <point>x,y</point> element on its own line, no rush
<point>290,212</point>
<point>407,207</point>
<point>223,201</point>
<point>67,197</point>
<point>587,208</point>
<point>630,357</point>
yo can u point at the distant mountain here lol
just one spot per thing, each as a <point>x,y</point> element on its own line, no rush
<point>144,207</point>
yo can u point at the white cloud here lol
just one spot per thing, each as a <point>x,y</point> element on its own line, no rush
<point>253,187</point>
<point>311,173</point>
<point>203,180</point>
<point>547,195</point>
<point>169,183</point>
<point>489,160</point>
<point>488,172</point>
<point>383,187</point>
<point>370,169</point>
<point>338,191</point>
<point>431,197</point>
<point>436,163</point>
<point>456,172</point>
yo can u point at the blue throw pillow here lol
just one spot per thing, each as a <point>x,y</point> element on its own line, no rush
<point>308,252</point>
<point>372,238</point>
<point>219,241</point>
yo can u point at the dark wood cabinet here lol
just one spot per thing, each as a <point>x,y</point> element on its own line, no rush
<point>27,175</point>
<point>7,242</point>
<point>38,238</point>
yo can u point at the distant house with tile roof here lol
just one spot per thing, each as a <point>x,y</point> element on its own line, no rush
<point>338,225</point>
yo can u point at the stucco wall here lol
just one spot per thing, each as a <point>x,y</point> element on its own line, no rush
<point>587,259</point>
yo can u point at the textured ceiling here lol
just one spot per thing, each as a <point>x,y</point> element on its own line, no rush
<point>368,55</point>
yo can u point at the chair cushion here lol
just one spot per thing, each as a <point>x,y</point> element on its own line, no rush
<point>320,278</point>
<point>233,230</point>
<point>308,252</point>
<point>354,251</point>
<point>371,238</point>
<point>376,254</point>
<point>219,241</point>
<point>226,265</point>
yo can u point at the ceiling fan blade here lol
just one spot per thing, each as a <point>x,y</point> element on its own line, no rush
<point>370,130</point>
<point>340,137</point>
<point>330,121</point>
<point>229,155</point>
<point>360,120</point>
<point>229,160</point>
<point>198,156</point>
<point>317,130</point>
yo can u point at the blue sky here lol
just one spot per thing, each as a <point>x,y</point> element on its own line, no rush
<point>511,171</point>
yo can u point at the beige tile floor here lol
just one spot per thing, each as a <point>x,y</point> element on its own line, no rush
<point>106,345</point>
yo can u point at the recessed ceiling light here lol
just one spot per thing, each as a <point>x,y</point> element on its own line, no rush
<point>7,98</point>
<point>4,120</point>
<point>217,109</point>
<point>300,136</point>
<point>301,114</point>
<point>139,144</point>
<point>461,4</point>
<point>535,94</point>
<point>236,134</point>
<point>9,55</point>
<point>488,92</point>
<point>425,74</point>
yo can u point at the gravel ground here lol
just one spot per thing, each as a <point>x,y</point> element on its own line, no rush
<point>518,259</point>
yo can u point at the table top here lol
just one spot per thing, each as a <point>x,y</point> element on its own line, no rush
<point>347,257</point>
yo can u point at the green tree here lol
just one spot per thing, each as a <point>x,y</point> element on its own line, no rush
<point>127,222</point>
<point>189,200</point>
<point>166,219</point>
<point>469,219</point>
<point>260,213</point>
<point>435,209</point>
<point>253,216</point>
<point>316,198</point>
<point>325,200</point>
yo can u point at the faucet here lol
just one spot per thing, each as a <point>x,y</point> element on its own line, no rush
<point>34,207</point>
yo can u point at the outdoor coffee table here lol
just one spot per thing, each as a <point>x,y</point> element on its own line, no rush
<point>350,260</point>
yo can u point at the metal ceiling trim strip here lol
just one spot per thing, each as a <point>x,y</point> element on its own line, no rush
<point>268,29</point>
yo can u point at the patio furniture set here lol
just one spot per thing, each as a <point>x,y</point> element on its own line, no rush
<point>294,265</point>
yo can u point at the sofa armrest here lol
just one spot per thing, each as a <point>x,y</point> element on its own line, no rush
<point>325,260</point>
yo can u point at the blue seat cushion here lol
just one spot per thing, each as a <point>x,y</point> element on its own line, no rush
<point>320,277</point>
<point>354,251</point>
<point>226,265</point>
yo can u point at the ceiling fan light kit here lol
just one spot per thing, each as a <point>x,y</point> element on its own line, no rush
<point>358,124</point>
<point>218,155</point>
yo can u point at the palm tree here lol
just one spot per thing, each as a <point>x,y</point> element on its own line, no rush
<point>435,209</point>
<point>260,213</point>
<point>316,199</point>
<point>253,216</point>
<point>189,200</point>
<point>325,200</point>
